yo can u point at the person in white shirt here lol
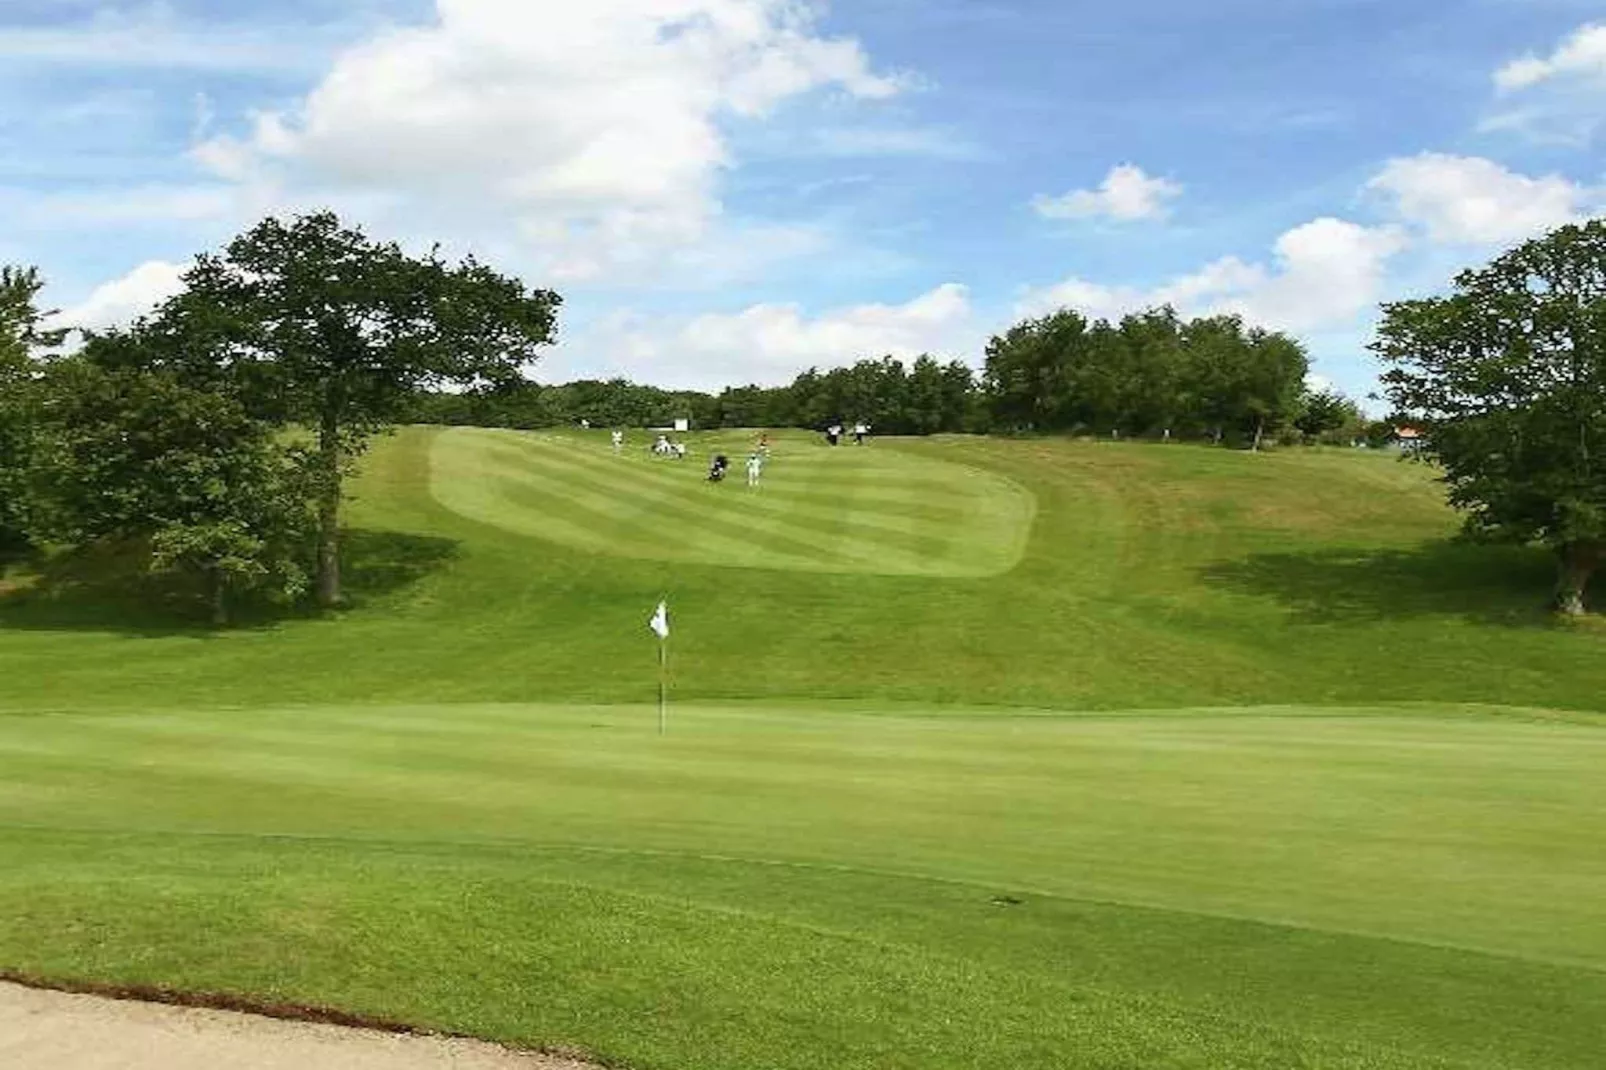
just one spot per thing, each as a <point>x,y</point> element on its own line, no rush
<point>618,441</point>
<point>755,468</point>
<point>860,429</point>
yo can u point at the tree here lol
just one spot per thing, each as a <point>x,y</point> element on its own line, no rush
<point>1274,381</point>
<point>179,474</point>
<point>22,333</point>
<point>1507,378</point>
<point>1025,371</point>
<point>313,323</point>
<point>1328,416</point>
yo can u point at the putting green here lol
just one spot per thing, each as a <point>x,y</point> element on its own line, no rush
<point>786,889</point>
<point>875,510</point>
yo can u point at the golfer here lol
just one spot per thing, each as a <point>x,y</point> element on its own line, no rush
<point>755,468</point>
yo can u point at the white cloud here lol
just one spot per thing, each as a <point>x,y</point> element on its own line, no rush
<point>1472,200</point>
<point>1325,273</point>
<point>121,301</point>
<point>1581,55</point>
<point>771,343</point>
<point>152,37</point>
<point>1557,99</point>
<point>594,129</point>
<point>1126,194</point>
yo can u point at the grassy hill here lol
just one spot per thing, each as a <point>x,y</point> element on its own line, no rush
<point>1151,577</point>
<point>1361,828</point>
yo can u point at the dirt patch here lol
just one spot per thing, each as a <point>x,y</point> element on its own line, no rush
<point>104,1027</point>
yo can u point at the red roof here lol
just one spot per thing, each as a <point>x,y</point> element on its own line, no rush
<point>1408,432</point>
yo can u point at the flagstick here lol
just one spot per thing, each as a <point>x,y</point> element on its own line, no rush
<point>663,687</point>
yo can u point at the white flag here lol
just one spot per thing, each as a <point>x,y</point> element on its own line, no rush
<point>660,621</point>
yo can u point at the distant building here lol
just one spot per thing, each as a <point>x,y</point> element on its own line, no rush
<point>1409,439</point>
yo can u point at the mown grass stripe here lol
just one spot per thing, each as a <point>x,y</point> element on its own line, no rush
<point>825,535</point>
<point>542,495</point>
<point>696,527</point>
<point>875,528</point>
<point>972,504</point>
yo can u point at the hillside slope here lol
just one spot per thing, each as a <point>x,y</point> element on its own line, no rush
<point>1148,576</point>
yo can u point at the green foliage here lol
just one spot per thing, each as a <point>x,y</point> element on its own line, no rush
<point>1329,417</point>
<point>1150,374</point>
<point>925,398</point>
<point>523,405</point>
<point>312,322</point>
<point>22,334</point>
<point>1507,376</point>
<point>183,474</point>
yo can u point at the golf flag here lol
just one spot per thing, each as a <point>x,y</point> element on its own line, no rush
<point>660,621</point>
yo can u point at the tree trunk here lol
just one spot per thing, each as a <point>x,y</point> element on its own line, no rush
<point>1577,562</point>
<point>329,512</point>
<point>220,599</point>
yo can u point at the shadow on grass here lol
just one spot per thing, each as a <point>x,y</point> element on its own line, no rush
<point>1507,585</point>
<point>105,590</point>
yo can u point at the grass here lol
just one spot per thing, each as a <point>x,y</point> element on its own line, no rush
<point>775,888</point>
<point>1366,832</point>
<point>1152,577</point>
<point>884,512</point>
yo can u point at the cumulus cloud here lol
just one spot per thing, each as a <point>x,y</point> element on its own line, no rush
<point>121,301</point>
<point>1126,194</point>
<point>1475,201</point>
<point>1323,274</point>
<point>593,130</point>
<point>771,343</point>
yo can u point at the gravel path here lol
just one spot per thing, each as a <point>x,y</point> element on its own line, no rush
<point>59,1031</point>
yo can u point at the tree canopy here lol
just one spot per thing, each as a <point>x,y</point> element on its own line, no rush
<point>22,334</point>
<point>312,322</point>
<point>1151,373</point>
<point>179,475</point>
<point>1507,377</point>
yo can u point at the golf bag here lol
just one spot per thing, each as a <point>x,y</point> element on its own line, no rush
<point>716,471</point>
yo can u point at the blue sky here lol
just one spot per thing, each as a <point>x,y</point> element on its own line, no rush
<point>732,190</point>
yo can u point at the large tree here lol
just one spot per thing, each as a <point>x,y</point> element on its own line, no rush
<point>314,323</point>
<point>1507,377</point>
<point>178,475</point>
<point>22,334</point>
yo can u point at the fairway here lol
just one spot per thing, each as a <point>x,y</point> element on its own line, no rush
<point>816,508</point>
<point>905,814</point>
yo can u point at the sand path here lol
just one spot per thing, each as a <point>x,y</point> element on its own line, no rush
<point>60,1031</point>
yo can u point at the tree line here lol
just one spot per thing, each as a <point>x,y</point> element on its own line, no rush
<point>1150,374</point>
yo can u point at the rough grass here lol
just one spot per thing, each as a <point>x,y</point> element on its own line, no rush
<point>1367,834</point>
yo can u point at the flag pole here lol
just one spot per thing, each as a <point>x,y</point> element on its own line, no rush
<point>663,684</point>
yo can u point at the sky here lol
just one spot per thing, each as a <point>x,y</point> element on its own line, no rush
<point>730,191</point>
